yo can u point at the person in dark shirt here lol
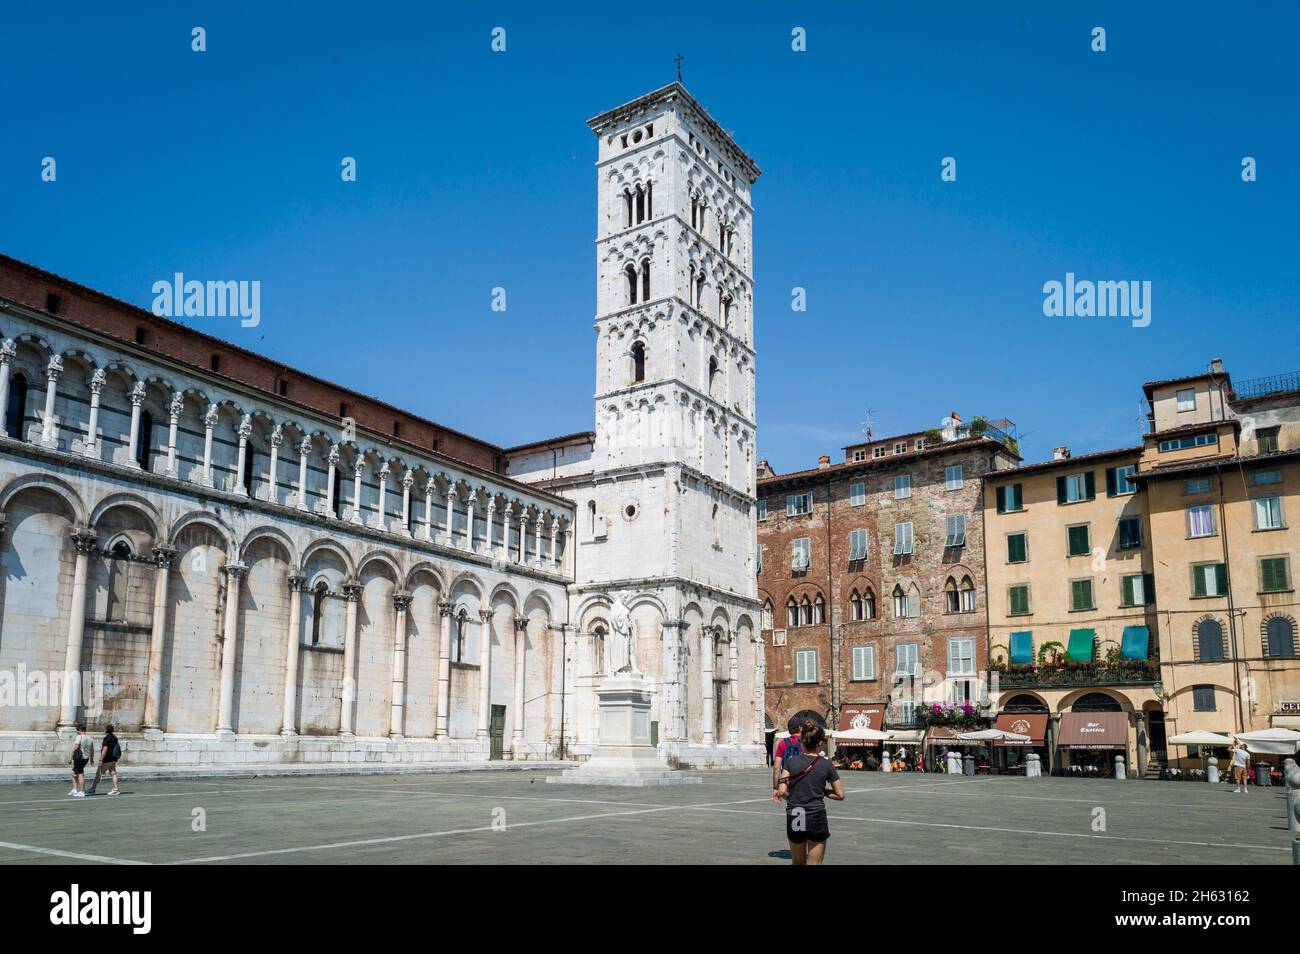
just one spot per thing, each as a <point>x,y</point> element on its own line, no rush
<point>807,780</point>
<point>110,751</point>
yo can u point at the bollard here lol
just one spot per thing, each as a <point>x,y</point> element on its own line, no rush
<point>1212,770</point>
<point>1032,767</point>
<point>1119,768</point>
<point>968,764</point>
<point>1292,783</point>
<point>885,764</point>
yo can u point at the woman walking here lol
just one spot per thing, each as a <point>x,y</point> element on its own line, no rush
<point>807,780</point>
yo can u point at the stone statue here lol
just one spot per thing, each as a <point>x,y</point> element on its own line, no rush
<point>620,644</point>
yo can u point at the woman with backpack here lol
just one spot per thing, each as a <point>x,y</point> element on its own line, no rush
<point>807,780</point>
<point>110,751</point>
<point>82,753</point>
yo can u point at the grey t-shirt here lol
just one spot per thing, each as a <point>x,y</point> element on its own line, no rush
<point>807,793</point>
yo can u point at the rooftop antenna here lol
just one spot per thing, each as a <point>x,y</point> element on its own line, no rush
<point>678,60</point>
<point>869,425</point>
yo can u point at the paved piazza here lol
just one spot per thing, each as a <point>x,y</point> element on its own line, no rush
<point>726,820</point>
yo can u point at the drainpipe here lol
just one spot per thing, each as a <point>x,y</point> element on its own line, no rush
<point>830,611</point>
<point>1232,611</point>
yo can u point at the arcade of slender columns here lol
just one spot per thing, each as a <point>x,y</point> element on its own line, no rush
<point>225,710</point>
<point>444,669</point>
<point>173,423</point>
<point>245,432</point>
<point>289,726</point>
<point>163,558</point>
<point>49,429</point>
<point>8,351</point>
<point>484,675</point>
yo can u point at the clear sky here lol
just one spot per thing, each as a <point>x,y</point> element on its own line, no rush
<point>475,170</point>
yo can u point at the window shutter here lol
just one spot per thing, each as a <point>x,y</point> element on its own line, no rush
<point>1090,485</point>
<point>1128,591</point>
<point>1148,588</point>
<point>1221,576</point>
<point>1112,486</point>
<point>1060,490</point>
<point>1198,580</point>
<point>1002,500</point>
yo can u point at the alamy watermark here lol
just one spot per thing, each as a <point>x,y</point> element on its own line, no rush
<point>38,688</point>
<point>1084,298</point>
<point>213,299</point>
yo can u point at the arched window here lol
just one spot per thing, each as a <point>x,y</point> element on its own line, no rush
<point>950,596</point>
<point>591,517</point>
<point>900,603</point>
<point>1096,702</point>
<point>119,574</point>
<point>769,619</point>
<point>913,601</point>
<point>461,636</point>
<point>630,272</point>
<point>791,612</point>
<point>645,279</point>
<point>819,610</point>
<point>869,604</point>
<point>967,595</point>
<point>649,200</point>
<point>1025,703</point>
<point>318,595</point>
<point>699,291</point>
<point>144,443</point>
<point>713,374</point>
<point>598,648</point>
<point>17,408</point>
<point>250,455</point>
<point>1281,637</point>
<point>855,606</point>
<point>627,199</point>
<point>638,362</point>
<point>1209,639</point>
<point>640,204</point>
<point>805,612</point>
<point>338,493</point>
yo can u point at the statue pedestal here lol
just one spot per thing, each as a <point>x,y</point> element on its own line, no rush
<point>624,755</point>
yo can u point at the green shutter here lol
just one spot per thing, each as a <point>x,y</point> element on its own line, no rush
<point>1016,497</point>
<point>1221,575</point>
<point>1198,580</point>
<point>1127,587</point>
<point>1272,574</point>
<point>1112,487</point>
<point>1060,490</point>
<point>1090,486</point>
<point>1077,543</point>
<point>1002,500</point>
<point>1019,600</point>
<point>1016,548</point>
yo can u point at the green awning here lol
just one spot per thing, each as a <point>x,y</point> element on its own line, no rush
<point>1137,642</point>
<point>1022,648</point>
<point>1081,643</point>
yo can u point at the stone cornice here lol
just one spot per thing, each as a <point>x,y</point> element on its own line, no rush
<point>631,471</point>
<point>683,309</point>
<point>729,412</point>
<point>655,582</point>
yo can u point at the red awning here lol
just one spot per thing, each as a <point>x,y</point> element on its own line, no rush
<point>946,735</point>
<point>1032,724</point>
<point>1094,730</point>
<point>864,716</point>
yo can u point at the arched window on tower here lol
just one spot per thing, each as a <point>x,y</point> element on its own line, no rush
<point>17,406</point>
<point>805,612</point>
<point>951,603</point>
<point>967,595</point>
<point>791,612</point>
<point>338,492</point>
<point>318,595</point>
<point>461,636</point>
<point>598,649</point>
<point>819,610</point>
<point>627,200</point>
<point>638,362</point>
<point>645,279</point>
<point>640,205</point>
<point>144,444</point>
<point>630,272</point>
<point>855,606</point>
<point>769,619</point>
<point>690,285</point>
<point>869,604</point>
<point>119,575</point>
<point>250,468</point>
<point>900,603</point>
<point>713,375</point>
<point>649,200</point>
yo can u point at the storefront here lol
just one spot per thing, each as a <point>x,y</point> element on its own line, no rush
<point>1014,754</point>
<point>1090,741</point>
<point>870,716</point>
<point>940,738</point>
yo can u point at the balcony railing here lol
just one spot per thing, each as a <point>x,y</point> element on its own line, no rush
<point>1262,387</point>
<point>1080,674</point>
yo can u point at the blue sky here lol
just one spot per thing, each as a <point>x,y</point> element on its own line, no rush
<point>476,170</point>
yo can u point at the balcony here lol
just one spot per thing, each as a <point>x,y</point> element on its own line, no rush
<point>1263,387</point>
<point>1070,675</point>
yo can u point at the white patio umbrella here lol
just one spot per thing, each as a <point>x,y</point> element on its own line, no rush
<point>1275,741</point>
<point>850,736</point>
<point>992,735</point>
<point>1200,737</point>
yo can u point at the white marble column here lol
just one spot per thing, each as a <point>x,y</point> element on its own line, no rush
<point>555,530</point>
<point>505,530</point>
<point>352,592</point>
<point>706,685</point>
<point>485,675</point>
<point>444,669</point>
<point>357,516</point>
<point>760,689</point>
<point>162,558</point>
<point>174,411</point>
<point>408,481</point>
<point>469,521</point>
<point>396,720</point>
<point>50,430</point>
<point>292,652</point>
<point>229,649</point>
<point>209,423</point>
<point>521,642</point>
<point>381,517</point>
<point>488,546</point>
<point>523,537</point>
<point>85,542</point>
<point>8,351</point>
<point>733,692</point>
<point>428,511</point>
<point>91,446</point>
<point>273,467</point>
<point>669,718</point>
<point>332,459</point>
<point>133,442</point>
<point>304,451</point>
<point>447,538</point>
<point>537,541</point>
<point>245,432</point>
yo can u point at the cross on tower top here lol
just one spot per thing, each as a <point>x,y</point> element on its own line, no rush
<point>678,60</point>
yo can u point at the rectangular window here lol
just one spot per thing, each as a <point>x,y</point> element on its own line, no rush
<point>1130,533</point>
<point>800,553</point>
<point>1119,481</point>
<point>1201,485</point>
<point>1267,437</point>
<point>1138,589</point>
<point>857,545</point>
<point>902,486</point>
<point>907,659</point>
<point>1200,520</point>
<point>1203,699</point>
<point>1209,579</point>
<point>1186,399</point>
<point>902,538</point>
<point>954,477</point>
<point>1274,575</point>
<point>1074,488</point>
<point>864,662</point>
<point>796,504</point>
<point>805,665</point>
<point>1268,512</point>
<point>878,452</point>
<point>1011,499</point>
<point>1078,542</point>
<point>1081,595</point>
<point>1017,547</point>
<point>955,535</point>
<point>1182,443</point>
<point>762,508</point>
<point>857,494</point>
<point>1261,477</point>
<point>961,657</point>
<point>1018,600</point>
<point>919,443</point>
<point>900,447</point>
<point>859,455</point>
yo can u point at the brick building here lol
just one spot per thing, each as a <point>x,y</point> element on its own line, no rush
<point>871,575</point>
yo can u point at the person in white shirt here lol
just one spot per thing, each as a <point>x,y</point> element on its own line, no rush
<point>1240,758</point>
<point>83,752</point>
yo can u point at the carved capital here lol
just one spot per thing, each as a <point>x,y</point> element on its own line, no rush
<point>351,590</point>
<point>304,447</point>
<point>521,623</point>
<point>8,350</point>
<point>137,394</point>
<point>164,556</point>
<point>210,418</point>
<point>444,607</point>
<point>295,581</point>
<point>246,427</point>
<point>177,406</point>
<point>54,368</point>
<point>402,599</point>
<point>84,539</point>
<point>277,436</point>
<point>485,616</point>
<point>235,570</point>
<point>98,380</point>
<point>408,481</point>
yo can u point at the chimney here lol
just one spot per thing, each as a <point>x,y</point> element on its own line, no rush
<point>1216,366</point>
<point>823,462</point>
<point>1060,453</point>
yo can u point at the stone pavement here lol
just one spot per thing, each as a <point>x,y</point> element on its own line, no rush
<point>514,817</point>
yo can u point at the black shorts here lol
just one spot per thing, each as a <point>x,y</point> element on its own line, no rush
<point>801,826</point>
<point>78,766</point>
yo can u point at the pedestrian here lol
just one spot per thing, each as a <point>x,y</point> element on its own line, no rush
<point>785,749</point>
<point>1240,756</point>
<point>110,751</point>
<point>82,753</point>
<point>806,782</point>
